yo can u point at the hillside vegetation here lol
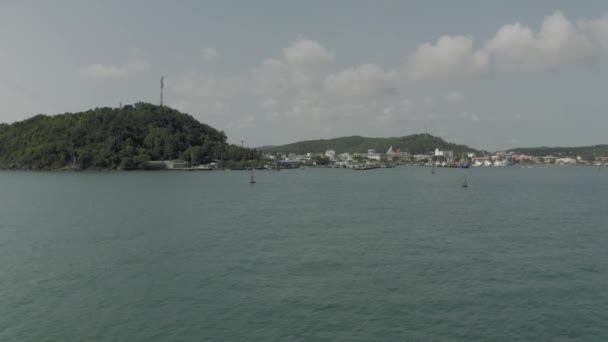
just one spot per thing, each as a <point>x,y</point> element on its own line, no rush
<point>585,152</point>
<point>414,144</point>
<point>112,138</point>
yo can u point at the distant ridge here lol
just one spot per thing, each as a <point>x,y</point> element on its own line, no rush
<point>414,144</point>
<point>585,152</point>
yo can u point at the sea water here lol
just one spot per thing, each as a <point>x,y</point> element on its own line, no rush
<point>305,255</point>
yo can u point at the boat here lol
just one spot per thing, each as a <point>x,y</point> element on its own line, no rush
<point>251,178</point>
<point>364,167</point>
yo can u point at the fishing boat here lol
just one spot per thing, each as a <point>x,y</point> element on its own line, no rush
<point>365,167</point>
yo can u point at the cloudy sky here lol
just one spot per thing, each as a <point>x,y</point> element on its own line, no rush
<point>491,74</point>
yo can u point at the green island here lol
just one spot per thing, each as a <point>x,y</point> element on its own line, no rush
<point>123,138</point>
<point>413,144</point>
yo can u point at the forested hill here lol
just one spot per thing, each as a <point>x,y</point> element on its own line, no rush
<point>112,138</point>
<point>414,144</point>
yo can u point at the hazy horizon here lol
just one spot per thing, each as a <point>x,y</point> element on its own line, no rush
<point>489,75</point>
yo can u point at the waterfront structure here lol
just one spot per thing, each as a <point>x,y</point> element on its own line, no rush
<point>445,154</point>
<point>331,154</point>
<point>177,164</point>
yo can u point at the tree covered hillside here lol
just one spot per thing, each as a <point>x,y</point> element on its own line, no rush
<point>414,144</point>
<point>112,138</point>
<point>585,152</point>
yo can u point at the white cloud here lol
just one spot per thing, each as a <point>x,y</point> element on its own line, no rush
<point>517,47</point>
<point>598,31</point>
<point>363,80</point>
<point>295,71</point>
<point>450,58</point>
<point>103,71</point>
<point>514,47</point>
<point>455,96</point>
<point>299,87</point>
<point>305,52</point>
<point>209,55</point>
<point>107,71</point>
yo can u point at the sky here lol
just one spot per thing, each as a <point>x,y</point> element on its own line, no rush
<point>490,74</point>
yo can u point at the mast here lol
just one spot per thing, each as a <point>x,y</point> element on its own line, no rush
<point>162,85</point>
<point>426,132</point>
<point>251,177</point>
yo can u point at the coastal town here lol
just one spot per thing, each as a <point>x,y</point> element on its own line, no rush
<point>373,159</point>
<point>438,158</point>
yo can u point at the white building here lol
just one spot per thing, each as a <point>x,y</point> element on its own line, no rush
<point>565,161</point>
<point>375,156</point>
<point>445,154</point>
<point>419,157</point>
<point>331,154</point>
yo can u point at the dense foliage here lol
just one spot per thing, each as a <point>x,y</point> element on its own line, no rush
<point>414,144</point>
<point>113,138</point>
<point>585,152</point>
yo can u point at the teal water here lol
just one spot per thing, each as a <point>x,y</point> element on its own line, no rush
<point>305,255</point>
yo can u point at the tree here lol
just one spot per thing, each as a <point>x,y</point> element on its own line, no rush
<point>321,160</point>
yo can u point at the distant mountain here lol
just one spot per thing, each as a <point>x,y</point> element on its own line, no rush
<point>585,152</point>
<point>414,144</point>
<point>112,138</point>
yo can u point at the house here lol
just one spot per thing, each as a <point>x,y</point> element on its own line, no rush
<point>445,154</point>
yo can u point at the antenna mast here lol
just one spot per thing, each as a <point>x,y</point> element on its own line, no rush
<point>162,85</point>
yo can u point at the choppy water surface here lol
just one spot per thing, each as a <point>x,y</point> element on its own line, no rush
<point>305,255</point>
